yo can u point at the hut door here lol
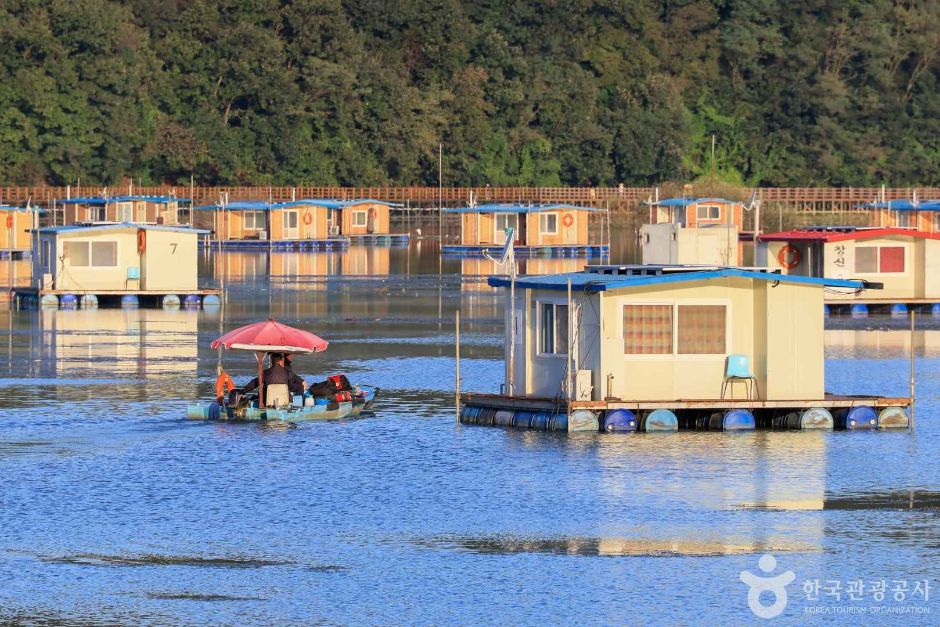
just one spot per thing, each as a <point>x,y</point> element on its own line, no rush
<point>291,225</point>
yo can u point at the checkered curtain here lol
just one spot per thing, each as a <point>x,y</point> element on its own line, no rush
<point>647,329</point>
<point>701,329</point>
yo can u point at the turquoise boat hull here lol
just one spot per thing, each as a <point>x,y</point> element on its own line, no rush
<point>291,413</point>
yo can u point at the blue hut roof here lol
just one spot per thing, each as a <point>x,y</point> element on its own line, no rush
<point>104,200</point>
<point>604,278</point>
<point>685,202</point>
<point>518,208</point>
<point>21,209</point>
<point>119,225</point>
<point>903,204</point>
<point>261,205</point>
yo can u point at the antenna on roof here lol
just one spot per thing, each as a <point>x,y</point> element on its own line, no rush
<point>751,201</point>
<point>473,199</point>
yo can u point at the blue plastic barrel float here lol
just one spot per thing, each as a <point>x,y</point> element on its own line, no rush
<point>469,414</point>
<point>659,420</point>
<point>825,310</point>
<point>893,418</point>
<point>582,420</point>
<point>558,422</point>
<point>191,301</point>
<point>935,309</point>
<point>863,417</point>
<point>171,301</point>
<point>49,301</point>
<point>620,421</point>
<point>898,310</point>
<point>486,415</point>
<point>129,301</point>
<point>68,301</point>
<point>732,420</point>
<point>522,419</point>
<point>859,311</point>
<point>503,418</point>
<point>210,300</point>
<point>539,421</point>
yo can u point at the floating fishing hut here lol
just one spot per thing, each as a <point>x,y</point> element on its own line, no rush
<point>626,348</point>
<point>164,210</point>
<point>121,264</point>
<point>693,231</point>
<point>16,240</point>
<point>904,261</point>
<point>363,221</point>
<point>289,225</point>
<point>549,230</point>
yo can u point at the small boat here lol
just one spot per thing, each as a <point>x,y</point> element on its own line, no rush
<point>289,413</point>
<point>332,399</point>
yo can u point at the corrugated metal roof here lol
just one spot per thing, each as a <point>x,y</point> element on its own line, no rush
<point>685,202</point>
<point>518,208</point>
<point>597,280</point>
<point>119,225</point>
<point>840,234</point>
<point>104,200</point>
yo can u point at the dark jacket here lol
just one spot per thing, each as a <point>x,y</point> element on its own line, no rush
<point>278,374</point>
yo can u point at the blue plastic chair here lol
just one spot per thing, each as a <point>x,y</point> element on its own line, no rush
<point>738,368</point>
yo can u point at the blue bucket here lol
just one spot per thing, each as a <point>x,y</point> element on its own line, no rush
<point>620,421</point>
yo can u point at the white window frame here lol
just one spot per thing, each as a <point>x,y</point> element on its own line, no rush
<point>708,208</point>
<point>499,234</point>
<point>121,211</point>
<point>90,245</point>
<point>543,219</point>
<point>254,213</point>
<point>355,218</point>
<point>96,213</point>
<point>676,355</point>
<point>907,259</point>
<point>539,303</point>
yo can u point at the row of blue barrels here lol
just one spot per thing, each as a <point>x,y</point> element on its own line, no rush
<point>625,421</point>
<point>128,301</point>
<point>897,310</point>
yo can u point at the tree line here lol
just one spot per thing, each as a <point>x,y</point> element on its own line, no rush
<point>550,92</point>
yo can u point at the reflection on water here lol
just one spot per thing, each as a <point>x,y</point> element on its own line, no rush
<point>17,272</point>
<point>593,547</point>
<point>121,511</point>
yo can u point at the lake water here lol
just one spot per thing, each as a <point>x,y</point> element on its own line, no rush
<point>115,509</point>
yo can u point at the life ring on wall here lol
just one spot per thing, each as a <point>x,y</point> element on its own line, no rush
<point>308,218</point>
<point>568,220</point>
<point>9,221</point>
<point>789,257</point>
<point>222,382</point>
<point>373,214</point>
<point>141,241</point>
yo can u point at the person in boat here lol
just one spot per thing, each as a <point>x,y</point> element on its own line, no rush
<point>278,373</point>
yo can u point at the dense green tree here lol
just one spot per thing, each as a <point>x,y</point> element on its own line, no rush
<point>362,92</point>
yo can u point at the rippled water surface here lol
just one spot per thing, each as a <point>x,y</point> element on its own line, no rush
<point>114,508</point>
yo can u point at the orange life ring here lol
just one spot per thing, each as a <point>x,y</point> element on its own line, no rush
<point>568,220</point>
<point>141,241</point>
<point>10,222</point>
<point>789,257</point>
<point>373,213</point>
<point>222,382</point>
<point>308,218</point>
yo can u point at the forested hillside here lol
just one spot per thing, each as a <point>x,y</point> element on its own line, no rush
<point>361,92</point>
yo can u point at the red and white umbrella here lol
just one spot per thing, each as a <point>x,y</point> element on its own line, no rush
<point>270,337</point>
